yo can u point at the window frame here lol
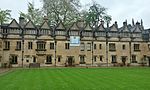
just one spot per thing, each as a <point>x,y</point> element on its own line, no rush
<point>112,47</point>
<point>52,46</point>
<point>30,45</point>
<point>18,45</point>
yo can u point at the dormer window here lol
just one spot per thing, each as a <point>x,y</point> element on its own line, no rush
<point>5,31</point>
<point>87,33</point>
<point>100,34</point>
<point>60,32</point>
<point>73,33</point>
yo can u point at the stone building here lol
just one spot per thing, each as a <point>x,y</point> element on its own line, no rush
<point>24,43</point>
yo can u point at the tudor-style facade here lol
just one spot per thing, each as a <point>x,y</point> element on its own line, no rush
<point>25,43</point>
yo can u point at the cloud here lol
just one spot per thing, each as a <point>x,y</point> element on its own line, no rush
<point>120,10</point>
<point>128,9</point>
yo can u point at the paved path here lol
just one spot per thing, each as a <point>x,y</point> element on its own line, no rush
<point>2,70</point>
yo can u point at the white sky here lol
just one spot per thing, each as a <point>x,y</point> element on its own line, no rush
<point>120,10</point>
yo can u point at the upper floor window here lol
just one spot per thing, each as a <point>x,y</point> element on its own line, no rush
<point>66,45</point>
<point>88,46</point>
<point>0,44</point>
<point>123,47</point>
<point>6,45</point>
<point>41,46</point>
<point>51,45</point>
<point>149,46</point>
<point>94,46</point>
<point>82,47</point>
<point>18,46</point>
<point>112,47</point>
<point>30,45</point>
<point>100,46</point>
<point>136,47</point>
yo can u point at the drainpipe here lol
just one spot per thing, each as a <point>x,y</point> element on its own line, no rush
<point>107,44</point>
<point>22,47</point>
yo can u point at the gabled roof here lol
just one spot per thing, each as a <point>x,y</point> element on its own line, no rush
<point>137,28</point>
<point>101,27</point>
<point>45,25</point>
<point>14,24</point>
<point>30,24</point>
<point>88,27</point>
<point>60,26</point>
<point>74,27</point>
<point>126,28</point>
<point>113,28</point>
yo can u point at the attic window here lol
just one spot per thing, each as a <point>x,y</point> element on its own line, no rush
<point>60,32</point>
<point>74,33</point>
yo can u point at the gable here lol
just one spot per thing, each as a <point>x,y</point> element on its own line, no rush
<point>14,24</point>
<point>113,28</point>
<point>74,27</point>
<point>137,29</point>
<point>101,28</point>
<point>60,26</point>
<point>88,27</point>
<point>29,24</point>
<point>45,25</point>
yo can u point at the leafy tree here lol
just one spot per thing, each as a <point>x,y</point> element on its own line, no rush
<point>95,14</point>
<point>65,10</point>
<point>33,14</point>
<point>5,16</point>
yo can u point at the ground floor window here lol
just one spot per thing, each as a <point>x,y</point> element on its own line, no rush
<point>34,59</point>
<point>48,59</point>
<point>14,59</point>
<point>134,59</point>
<point>0,58</point>
<point>59,58</point>
<point>82,59</point>
<point>114,58</point>
<point>94,58</point>
<point>101,58</point>
<point>124,59</point>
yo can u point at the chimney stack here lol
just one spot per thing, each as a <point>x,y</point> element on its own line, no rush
<point>102,22</point>
<point>116,25</point>
<point>21,21</point>
<point>45,18</point>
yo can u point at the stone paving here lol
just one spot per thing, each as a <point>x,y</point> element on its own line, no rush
<point>2,70</point>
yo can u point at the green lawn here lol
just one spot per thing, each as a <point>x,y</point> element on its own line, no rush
<point>76,79</point>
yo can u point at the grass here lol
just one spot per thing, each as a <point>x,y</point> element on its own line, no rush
<point>76,79</point>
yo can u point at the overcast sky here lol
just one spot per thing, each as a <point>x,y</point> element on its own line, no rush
<point>120,10</point>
